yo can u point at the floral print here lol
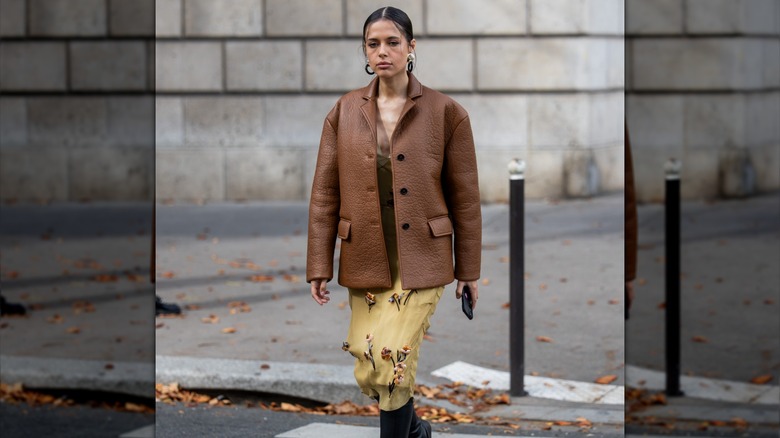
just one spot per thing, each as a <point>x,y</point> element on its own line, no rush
<point>387,354</point>
<point>370,354</point>
<point>370,300</point>
<point>398,369</point>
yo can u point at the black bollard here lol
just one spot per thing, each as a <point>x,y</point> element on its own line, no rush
<point>517,278</point>
<point>672,244</point>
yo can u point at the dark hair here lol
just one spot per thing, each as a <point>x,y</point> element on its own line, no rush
<point>397,16</point>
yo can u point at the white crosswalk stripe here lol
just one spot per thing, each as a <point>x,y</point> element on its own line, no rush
<point>143,432</point>
<point>322,430</point>
<point>542,387</point>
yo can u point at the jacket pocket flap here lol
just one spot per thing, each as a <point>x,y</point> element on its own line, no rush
<point>440,226</point>
<point>344,226</point>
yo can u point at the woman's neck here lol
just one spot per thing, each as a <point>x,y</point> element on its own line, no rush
<point>393,87</point>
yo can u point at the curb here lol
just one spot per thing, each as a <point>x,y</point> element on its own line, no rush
<point>319,382</point>
<point>705,388</point>
<point>130,378</point>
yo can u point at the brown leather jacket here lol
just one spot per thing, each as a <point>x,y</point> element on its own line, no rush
<point>436,193</point>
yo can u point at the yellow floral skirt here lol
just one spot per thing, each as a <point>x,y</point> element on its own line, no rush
<point>386,331</point>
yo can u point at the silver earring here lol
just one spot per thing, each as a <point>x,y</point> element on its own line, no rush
<point>410,62</point>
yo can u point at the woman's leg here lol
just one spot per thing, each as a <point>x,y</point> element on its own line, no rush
<point>397,423</point>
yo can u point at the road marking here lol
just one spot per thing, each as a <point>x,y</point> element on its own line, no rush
<point>709,389</point>
<point>144,432</point>
<point>542,387</point>
<point>320,430</point>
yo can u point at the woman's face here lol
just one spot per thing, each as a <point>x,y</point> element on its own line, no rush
<point>387,49</point>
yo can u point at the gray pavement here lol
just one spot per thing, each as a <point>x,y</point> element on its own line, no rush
<point>284,324</point>
<point>207,255</point>
<point>730,290</point>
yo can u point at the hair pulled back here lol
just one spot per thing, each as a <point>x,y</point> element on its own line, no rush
<point>397,16</point>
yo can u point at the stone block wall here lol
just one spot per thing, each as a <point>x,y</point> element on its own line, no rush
<point>77,104</point>
<point>703,86</point>
<point>242,88</point>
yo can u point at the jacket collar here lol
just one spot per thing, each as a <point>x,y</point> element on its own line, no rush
<point>413,90</point>
<point>368,108</point>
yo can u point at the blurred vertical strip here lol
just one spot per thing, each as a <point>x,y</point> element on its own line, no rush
<point>76,192</point>
<point>703,87</point>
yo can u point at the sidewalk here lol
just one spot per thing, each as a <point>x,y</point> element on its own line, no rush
<point>730,290</point>
<point>208,255</point>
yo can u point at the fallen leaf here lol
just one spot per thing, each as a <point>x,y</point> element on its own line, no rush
<point>167,274</point>
<point>73,330</point>
<point>289,407</point>
<point>485,281</point>
<point>105,278</point>
<point>606,380</point>
<point>228,330</point>
<point>211,319</point>
<point>700,339</point>
<point>762,379</point>
<point>292,278</point>
<point>506,305</point>
<point>543,339</point>
<point>82,306</point>
<point>238,307</point>
<point>614,301</point>
<point>261,278</point>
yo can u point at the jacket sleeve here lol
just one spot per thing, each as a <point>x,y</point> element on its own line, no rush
<point>461,189</point>
<point>324,208</point>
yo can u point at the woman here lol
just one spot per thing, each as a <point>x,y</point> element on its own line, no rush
<point>396,178</point>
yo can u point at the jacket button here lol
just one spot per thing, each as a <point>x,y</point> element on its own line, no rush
<point>405,226</point>
<point>401,157</point>
<point>404,191</point>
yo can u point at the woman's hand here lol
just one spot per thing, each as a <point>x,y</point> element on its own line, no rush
<point>474,291</point>
<point>319,291</point>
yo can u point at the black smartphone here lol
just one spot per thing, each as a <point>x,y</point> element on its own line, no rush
<point>465,300</point>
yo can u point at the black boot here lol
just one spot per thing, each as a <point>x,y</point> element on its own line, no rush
<point>419,428</point>
<point>397,423</point>
<point>162,308</point>
<point>7,308</point>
